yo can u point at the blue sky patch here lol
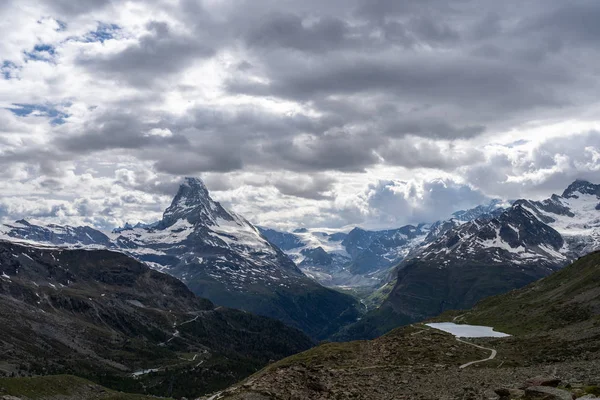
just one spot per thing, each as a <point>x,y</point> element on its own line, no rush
<point>8,70</point>
<point>40,110</point>
<point>62,26</point>
<point>41,52</point>
<point>102,33</point>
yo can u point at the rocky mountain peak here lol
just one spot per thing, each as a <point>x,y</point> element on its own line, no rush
<point>581,187</point>
<point>192,192</point>
<point>193,203</point>
<point>495,206</point>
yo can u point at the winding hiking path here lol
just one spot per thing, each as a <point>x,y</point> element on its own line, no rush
<point>491,357</point>
<point>492,354</point>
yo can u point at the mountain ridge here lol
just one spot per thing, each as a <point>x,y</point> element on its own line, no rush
<point>487,256</point>
<point>105,316</point>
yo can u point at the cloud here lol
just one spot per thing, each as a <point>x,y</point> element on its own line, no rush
<point>314,188</point>
<point>297,113</point>
<point>281,30</point>
<point>116,130</point>
<point>66,7</point>
<point>396,203</point>
<point>155,55</point>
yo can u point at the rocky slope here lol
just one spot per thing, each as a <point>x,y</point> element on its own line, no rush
<point>105,316</point>
<point>487,256</point>
<point>555,342</point>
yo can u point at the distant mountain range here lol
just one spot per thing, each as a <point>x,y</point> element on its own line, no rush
<point>413,272</point>
<point>488,256</point>
<point>361,257</point>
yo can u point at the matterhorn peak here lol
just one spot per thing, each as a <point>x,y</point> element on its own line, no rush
<point>193,203</point>
<point>192,189</point>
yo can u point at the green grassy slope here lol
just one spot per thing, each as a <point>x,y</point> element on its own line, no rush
<point>567,297</point>
<point>63,387</point>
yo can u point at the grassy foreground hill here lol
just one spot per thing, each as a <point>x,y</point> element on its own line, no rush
<point>63,387</point>
<point>555,324</point>
<point>568,299</point>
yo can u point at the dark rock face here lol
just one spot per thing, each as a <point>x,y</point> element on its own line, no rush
<point>357,240</point>
<point>103,314</point>
<point>283,240</point>
<point>383,249</point>
<point>316,256</point>
<point>581,187</point>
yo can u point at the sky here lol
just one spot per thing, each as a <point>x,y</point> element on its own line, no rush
<point>295,113</point>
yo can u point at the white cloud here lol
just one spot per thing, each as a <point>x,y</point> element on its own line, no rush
<point>297,113</point>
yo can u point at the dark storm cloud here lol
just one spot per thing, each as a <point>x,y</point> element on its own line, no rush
<point>117,130</point>
<point>288,31</point>
<point>313,188</point>
<point>157,54</point>
<point>429,154</point>
<point>373,81</point>
<point>69,7</point>
<point>379,9</point>
<point>572,23</point>
<point>341,151</point>
<point>435,79</point>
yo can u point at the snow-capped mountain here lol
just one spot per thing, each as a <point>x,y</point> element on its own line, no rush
<point>468,261</point>
<point>223,257</point>
<point>516,235</point>
<point>493,208</point>
<point>449,264</point>
<point>362,257</point>
<point>575,215</point>
<point>320,255</point>
<point>197,230</point>
<point>553,231</point>
<point>73,236</point>
<point>356,258</point>
<point>219,255</point>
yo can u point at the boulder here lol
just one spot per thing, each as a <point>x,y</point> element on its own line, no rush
<point>510,393</point>
<point>546,393</point>
<point>543,381</point>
